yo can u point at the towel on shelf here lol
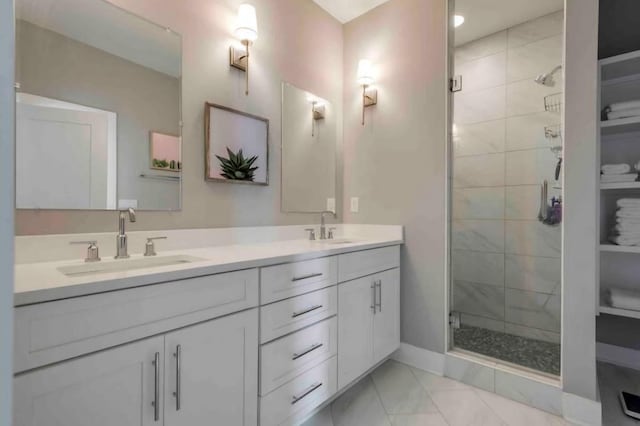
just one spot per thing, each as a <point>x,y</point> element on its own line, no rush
<point>619,106</point>
<point>627,228</point>
<point>623,299</point>
<point>628,202</point>
<point>628,221</point>
<point>628,212</point>
<point>622,240</point>
<point>625,113</point>
<point>627,177</point>
<point>615,169</point>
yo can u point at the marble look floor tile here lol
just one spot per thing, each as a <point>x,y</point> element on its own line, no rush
<point>533,393</point>
<point>485,72</point>
<point>431,419</point>
<point>323,418</point>
<point>471,373</point>
<point>477,266</point>
<point>480,138</point>
<point>465,408</point>
<point>536,29</point>
<point>479,170</point>
<point>611,380</point>
<point>531,309</point>
<point>400,391</point>
<point>531,273</point>
<point>481,47</point>
<point>479,299</point>
<point>433,382</point>
<point>517,414</point>
<point>532,333</point>
<point>481,322</point>
<point>360,405</point>
<point>479,235</point>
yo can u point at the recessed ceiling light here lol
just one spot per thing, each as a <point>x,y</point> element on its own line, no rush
<point>458,20</point>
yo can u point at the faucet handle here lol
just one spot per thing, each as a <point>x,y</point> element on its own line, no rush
<point>150,247</point>
<point>330,234</point>
<point>92,251</point>
<point>312,234</point>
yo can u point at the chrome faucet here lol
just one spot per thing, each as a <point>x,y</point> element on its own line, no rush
<point>122,251</point>
<point>323,227</point>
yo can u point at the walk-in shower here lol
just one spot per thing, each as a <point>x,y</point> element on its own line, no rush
<point>506,187</point>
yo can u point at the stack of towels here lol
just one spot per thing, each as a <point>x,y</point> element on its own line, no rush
<point>623,110</point>
<point>616,173</point>
<point>626,232</point>
<point>623,299</point>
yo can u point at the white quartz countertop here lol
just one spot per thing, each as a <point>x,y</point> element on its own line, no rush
<point>43,282</point>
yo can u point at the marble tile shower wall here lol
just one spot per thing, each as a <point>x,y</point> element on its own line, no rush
<point>506,264</point>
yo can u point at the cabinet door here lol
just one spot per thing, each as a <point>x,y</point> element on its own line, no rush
<point>120,386</point>
<point>386,321</point>
<point>212,372</point>
<point>355,329</point>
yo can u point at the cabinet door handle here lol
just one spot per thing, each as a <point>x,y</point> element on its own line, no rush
<point>373,297</point>
<point>306,351</point>
<point>306,277</point>
<point>307,391</point>
<point>305,311</point>
<point>156,390</point>
<point>379,295</point>
<point>178,392</point>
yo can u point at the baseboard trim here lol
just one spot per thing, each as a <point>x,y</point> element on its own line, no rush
<point>581,411</point>
<point>423,359</point>
<point>618,355</point>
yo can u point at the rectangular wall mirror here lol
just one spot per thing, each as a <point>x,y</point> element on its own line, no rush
<point>309,136</point>
<point>98,108</point>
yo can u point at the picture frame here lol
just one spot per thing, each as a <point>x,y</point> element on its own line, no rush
<point>165,152</point>
<point>236,146</point>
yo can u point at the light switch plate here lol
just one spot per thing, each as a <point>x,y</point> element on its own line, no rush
<point>331,204</point>
<point>355,204</point>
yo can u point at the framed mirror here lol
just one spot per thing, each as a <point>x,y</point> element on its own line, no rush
<point>98,114</point>
<point>309,137</point>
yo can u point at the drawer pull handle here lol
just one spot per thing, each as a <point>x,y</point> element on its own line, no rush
<point>306,351</point>
<point>309,390</point>
<point>178,392</point>
<point>306,311</point>
<point>156,389</point>
<point>306,277</point>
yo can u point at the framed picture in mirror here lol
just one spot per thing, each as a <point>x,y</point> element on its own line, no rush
<point>164,152</point>
<point>236,146</point>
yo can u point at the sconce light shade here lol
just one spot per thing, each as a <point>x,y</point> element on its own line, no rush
<point>365,72</point>
<point>247,23</point>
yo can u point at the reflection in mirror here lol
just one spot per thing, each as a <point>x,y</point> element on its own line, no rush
<point>98,108</point>
<point>309,135</point>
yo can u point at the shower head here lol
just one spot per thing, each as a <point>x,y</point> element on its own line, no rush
<point>547,79</point>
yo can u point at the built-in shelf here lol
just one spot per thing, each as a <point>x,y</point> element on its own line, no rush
<point>612,248</point>
<point>619,312</point>
<point>622,125</point>
<point>620,185</point>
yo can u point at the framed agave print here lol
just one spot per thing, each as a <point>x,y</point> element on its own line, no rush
<point>236,146</point>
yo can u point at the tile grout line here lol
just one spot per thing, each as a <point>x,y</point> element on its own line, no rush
<point>428,392</point>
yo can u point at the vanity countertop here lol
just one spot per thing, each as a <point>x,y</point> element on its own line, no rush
<point>43,282</point>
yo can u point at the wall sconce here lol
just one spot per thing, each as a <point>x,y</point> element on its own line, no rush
<point>317,113</point>
<point>247,32</point>
<point>365,78</point>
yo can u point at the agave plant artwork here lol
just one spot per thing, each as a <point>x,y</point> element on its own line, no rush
<point>237,167</point>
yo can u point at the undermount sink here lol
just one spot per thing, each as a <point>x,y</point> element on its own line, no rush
<point>125,265</point>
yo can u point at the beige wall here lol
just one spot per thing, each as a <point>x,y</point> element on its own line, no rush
<point>396,163</point>
<point>298,42</point>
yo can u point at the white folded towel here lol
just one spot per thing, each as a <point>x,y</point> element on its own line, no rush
<point>628,221</point>
<point>628,202</point>
<point>615,169</point>
<point>622,240</point>
<point>624,105</point>
<point>626,229</point>
<point>627,177</point>
<point>628,212</point>
<point>623,299</point>
<point>625,113</point>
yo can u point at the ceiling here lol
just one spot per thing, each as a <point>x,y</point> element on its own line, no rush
<point>484,17</point>
<point>107,27</point>
<point>346,10</point>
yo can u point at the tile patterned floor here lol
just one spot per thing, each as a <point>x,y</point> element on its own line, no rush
<point>398,395</point>
<point>613,379</point>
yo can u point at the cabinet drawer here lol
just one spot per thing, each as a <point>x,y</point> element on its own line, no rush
<point>291,279</point>
<point>54,331</point>
<point>286,358</point>
<point>293,314</point>
<point>367,262</point>
<point>291,402</point>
